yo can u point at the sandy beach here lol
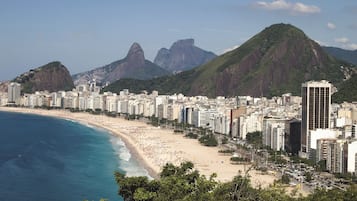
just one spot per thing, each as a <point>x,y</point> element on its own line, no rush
<point>154,147</point>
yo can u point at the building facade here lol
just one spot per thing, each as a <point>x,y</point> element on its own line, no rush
<point>316,109</point>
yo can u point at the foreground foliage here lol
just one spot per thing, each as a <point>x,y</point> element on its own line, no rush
<point>183,183</point>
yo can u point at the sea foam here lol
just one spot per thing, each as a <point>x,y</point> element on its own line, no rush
<point>127,163</point>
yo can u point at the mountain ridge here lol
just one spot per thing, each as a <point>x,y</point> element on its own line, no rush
<point>274,61</point>
<point>345,55</point>
<point>134,65</point>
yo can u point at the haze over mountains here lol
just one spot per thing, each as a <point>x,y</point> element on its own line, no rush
<point>275,61</point>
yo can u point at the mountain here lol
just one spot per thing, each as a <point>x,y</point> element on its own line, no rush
<point>182,55</point>
<point>345,55</point>
<point>347,91</point>
<point>275,61</point>
<point>133,65</point>
<point>51,77</point>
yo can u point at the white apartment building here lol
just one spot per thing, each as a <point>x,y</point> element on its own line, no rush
<point>248,124</point>
<point>221,124</point>
<point>123,106</point>
<point>352,157</point>
<point>274,133</point>
<point>14,93</point>
<point>174,111</point>
<point>112,103</point>
<point>204,117</point>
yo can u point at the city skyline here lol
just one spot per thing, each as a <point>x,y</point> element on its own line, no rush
<point>88,34</point>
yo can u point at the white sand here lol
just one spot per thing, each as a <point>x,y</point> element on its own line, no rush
<point>154,147</point>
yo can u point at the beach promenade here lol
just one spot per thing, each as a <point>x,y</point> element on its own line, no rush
<point>154,147</point>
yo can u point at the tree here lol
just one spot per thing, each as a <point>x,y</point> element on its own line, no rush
<point>308,176</point>
<point>208,140</point>
<point>285,179</point>
<point>128,185</point>
<point>225,140</point>
<point>255,138</point>
<point>183,183</point>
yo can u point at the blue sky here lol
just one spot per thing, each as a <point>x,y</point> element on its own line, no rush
<point>84,34</point>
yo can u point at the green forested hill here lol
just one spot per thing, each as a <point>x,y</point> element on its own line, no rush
<point>53,76</point>
<point>347,91</point>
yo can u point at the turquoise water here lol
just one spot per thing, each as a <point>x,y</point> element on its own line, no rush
<point>43,158</point>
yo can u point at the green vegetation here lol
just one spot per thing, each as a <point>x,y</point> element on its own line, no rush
<point>285,179</point>
<point>191,135</point>
<point>52,77</point>
<point>178,131</point>
<point>225,140</point>
<point>255,138</point>
<point>345,55</point>
<point>277,159</point>
<point>226,151</point>
<point>166,84</point>
<point>347,91</point>
<point>308,176</point>
<point>183,183</point>
<point>208,140</point>
<point>239,160</point>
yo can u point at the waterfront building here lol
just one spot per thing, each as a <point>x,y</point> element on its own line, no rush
<point>112,103</point>
<point>14,93</point>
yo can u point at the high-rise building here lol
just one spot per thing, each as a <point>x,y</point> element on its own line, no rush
<point>14,93</point>
<point>316,109</point>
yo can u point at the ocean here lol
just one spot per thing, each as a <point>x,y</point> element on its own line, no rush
<point>50,159</point>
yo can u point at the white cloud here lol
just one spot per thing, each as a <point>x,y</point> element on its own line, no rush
<point>331,25</point>
<point>346,44</point>
<point>307,9</point>
<point>351,46</point>
<point>230,49</point>
<point>342,40</point>
<point>275,5</point>
<point>293,8</point>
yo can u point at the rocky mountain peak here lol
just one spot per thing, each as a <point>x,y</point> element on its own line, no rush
<point>184,43</point>
<point>133,65</point>
<point>136,53</point>
<point>182,55</point>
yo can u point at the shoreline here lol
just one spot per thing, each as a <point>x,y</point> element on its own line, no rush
<point>132,149</point>
<point>153,147</point>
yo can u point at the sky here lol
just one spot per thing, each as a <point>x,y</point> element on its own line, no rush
<point>85,34</point>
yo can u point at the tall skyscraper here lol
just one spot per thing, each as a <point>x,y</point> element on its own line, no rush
<point>316,109</point>
<point>14,93</point>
